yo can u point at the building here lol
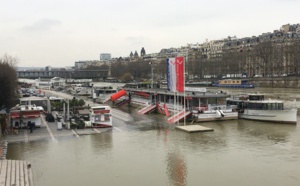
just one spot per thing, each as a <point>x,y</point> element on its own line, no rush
<point>105,57</point>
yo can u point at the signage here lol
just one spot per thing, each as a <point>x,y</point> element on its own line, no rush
<point>192,89</point>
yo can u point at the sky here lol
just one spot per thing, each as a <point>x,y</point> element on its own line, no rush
<point>58,33</point>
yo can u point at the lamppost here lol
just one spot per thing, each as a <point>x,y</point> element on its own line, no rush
<point>151,74</point>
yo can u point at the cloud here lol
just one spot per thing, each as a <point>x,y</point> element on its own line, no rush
<point>42,25</point>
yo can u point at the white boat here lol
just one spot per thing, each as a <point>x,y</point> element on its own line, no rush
<point>256,108</point>
<point>100,116</point>
<point>22,115</point>
<point>103,93</point>
<point>84,92</point>
<point>214,113</point>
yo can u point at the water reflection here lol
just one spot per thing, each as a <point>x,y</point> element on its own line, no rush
<point>176,168</point>
<point>264,131</point>
<point>18,150</point>
<point>102,142</point>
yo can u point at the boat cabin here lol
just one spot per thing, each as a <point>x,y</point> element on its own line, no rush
<point>142,85</point>
<point>233,81</point>
<point>256,102</point>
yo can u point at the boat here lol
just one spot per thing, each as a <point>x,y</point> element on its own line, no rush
<point>214,113</point>
<point>84,92</point>
<point>21,115</point>
<point>196,104</point>
<point>255,107</point>
<point>233,83</point>
<point>102,93</point>
<point>100,116</point>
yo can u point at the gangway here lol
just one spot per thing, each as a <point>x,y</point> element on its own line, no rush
<point>106,100</point>
<point>158,108</point>
<point>180,115</point>
<point>147,109</point>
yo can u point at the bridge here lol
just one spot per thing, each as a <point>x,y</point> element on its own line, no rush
<point>75,74</point>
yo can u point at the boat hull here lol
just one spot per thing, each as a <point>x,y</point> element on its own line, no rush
<point>214,116</point>
<point>278,116</point>
<point>234,86</point>
<point>101,125</point>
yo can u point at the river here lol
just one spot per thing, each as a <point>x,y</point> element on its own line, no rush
<point>145,150</point>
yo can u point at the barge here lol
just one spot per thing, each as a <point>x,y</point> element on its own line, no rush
<point>195,104</point>
<point>233,83</point>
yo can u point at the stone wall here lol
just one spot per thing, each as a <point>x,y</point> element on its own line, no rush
<point>276,82</point>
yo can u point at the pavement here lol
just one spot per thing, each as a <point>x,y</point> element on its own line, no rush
<point>50,131</point>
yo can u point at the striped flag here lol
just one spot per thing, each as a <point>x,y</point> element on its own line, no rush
<point>175,74</point>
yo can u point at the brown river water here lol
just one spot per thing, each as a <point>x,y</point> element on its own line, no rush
<point>146,150</point>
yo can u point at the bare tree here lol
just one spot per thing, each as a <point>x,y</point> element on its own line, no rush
<point>8,81</point>
<point>294,57</point>
<point>263,51</point>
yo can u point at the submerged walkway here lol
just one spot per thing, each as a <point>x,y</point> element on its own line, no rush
<point>15,172</point>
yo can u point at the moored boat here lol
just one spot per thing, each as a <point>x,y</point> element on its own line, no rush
<point>196,104</point>
<point>233,83</point>
<point>100,116</point>
<point>100,94</point>
<point>214,112</point>
<point>255,107</point>
<point>24,114</point>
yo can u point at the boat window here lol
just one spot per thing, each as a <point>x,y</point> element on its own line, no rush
<point>212,101</point>
<point>269,106</point>
<point>244,105</point>
<point>106,117</point>
<point>280,106</point>
<point>274,106</point>
<point>265,106</point>
<point>256,106</point>
<point>256,97</point>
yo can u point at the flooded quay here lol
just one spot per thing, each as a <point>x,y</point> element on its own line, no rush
<point>146,150</point>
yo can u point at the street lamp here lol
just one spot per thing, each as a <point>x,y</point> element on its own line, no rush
<point>151,74</point>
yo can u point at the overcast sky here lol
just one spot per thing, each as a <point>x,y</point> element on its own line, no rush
<point>60,32</point>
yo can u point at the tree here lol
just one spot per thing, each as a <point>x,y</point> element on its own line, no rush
<point>93,67</point>
<point>127,77</point>
<point>8,82</point>
<point>263,52</point>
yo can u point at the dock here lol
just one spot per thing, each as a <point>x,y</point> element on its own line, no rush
<point>15,172</point>
<point>194,128</point>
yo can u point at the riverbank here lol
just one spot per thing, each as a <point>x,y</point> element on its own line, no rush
<point>272,82</point>
<point>3,150</point>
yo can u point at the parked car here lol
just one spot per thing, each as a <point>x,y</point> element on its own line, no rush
<point>50,117</point>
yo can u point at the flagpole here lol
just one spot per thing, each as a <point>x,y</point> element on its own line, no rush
<point>174,104</point>
<point>151,74</point>
<point>184,88</point>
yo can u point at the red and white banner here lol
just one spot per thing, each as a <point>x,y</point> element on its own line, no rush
<point>180,74</point>
<point>175,74</point>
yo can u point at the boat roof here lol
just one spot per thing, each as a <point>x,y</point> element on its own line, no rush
<point>195,94</point>
<point>258,101</point>
<point>101,106</point>
<point>265,101</point>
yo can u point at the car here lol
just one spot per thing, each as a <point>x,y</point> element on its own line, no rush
<point>50,117</point>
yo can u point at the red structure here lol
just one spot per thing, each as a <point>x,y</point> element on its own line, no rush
<point>117,95</point>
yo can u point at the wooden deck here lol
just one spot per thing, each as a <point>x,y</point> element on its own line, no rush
<point>194,128</point>
<point>15,172</point>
